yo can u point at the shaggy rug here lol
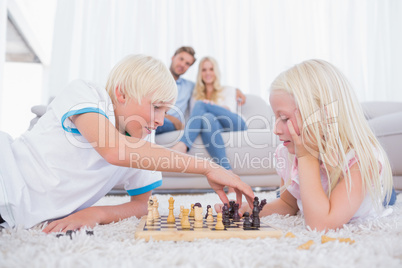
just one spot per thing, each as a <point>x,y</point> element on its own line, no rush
<point>378,243</point>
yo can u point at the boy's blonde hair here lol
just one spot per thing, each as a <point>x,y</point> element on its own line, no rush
<point>199,91</point>
<point>138,76</point>
<point>334,119</point>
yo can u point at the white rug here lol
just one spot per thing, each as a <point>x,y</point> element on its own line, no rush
<point>378,244</point>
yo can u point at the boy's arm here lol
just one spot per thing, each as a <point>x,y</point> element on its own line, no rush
<point>121,150</point>
<point>89,217</point>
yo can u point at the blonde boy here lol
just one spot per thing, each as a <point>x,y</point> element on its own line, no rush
<point>90,141</point>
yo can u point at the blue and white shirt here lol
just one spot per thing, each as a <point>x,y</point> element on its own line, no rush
<point>185,91</point>
<point>53,171</point>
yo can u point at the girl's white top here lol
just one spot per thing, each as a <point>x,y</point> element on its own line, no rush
<point>53,171</point>
<point>287,168</point>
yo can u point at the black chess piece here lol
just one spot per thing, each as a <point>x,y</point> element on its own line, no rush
<point>225,215</point>
<point>246,223</point>
<point>206,214</point>
<point>231,209</point>
<point>262,204</point>
<point>255,204</point>
<point>197,205</point>
<point>236,216</point>
<point>256,214</point>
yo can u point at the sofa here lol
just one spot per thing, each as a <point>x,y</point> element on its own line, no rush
<point>251,152</point>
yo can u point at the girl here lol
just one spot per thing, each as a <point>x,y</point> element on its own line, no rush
<point>332,167</point>
<point>214,111</point>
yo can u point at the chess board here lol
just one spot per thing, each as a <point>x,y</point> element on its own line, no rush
<point>161,230</point>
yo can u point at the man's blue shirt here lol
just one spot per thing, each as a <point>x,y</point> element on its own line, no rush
<point>185,91</point>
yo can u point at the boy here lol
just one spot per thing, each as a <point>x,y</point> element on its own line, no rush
<point>89,141</point>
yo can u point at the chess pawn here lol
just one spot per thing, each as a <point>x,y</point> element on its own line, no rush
<point>171,218</point>
<point>210,218</point>
<point>192,211</point>
<point>181,212</point>
<point>185,223</point>
<point>198,219</point>
<point>246,223</point>
<point>219,225</point>
<point>206,215</point>
<point>150,217</point>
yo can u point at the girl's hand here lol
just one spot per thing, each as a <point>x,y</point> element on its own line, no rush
<point>304,145</point>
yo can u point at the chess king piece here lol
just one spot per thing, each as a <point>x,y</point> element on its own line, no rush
<point>198,219</point>
<point>210,218</point>
<point>246,223</point>
<point>219,225</point>
<point>256,213</point>
<point>171,218</point>
<point>185,223</point>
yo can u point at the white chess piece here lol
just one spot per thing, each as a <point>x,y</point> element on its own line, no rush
<point>198,219</point>
<point>210,218</point>
<point>150,217</point>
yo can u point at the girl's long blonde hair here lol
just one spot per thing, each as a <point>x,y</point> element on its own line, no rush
<point>333,118</point>
<point>200,90</point>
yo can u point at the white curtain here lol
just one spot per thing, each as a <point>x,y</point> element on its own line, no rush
<point>253,41</point>
<point>3,27</point>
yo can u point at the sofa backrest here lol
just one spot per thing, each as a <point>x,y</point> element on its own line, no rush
<point>256,112</point>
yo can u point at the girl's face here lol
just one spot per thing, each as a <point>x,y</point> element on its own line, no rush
<point>140,119</point>
<point>207,72</point>
<point>284,106</point>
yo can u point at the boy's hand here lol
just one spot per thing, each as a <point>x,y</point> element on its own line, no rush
<point>218,177</point>
<point>86,217</point>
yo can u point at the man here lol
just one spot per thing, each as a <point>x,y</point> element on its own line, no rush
<point>183,58</point>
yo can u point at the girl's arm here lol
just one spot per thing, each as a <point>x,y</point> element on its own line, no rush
<point>121,150</point>
<point>321,212</point>
<point>90,217</point>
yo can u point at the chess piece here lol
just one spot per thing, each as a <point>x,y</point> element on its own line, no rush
<point>192,211</point>
<point>155,208</point>
<point>225,215</point>
<point>181,212</point>
<point>262,204</point>
<point>150,217</point>
<point>185,223</point>
<point>231,209</point>
<point>246,223</point>
<point>198,219</point>
<point>219,225</point>
<point>171,218</point>
<point>206,214</point>
<point>236,216</point>
<point>210,218</point>
<point>256,214</point>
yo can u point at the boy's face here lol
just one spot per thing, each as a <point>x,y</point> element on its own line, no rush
<point>284,106</point>
<point>180,63</point>
<point>140,119</point>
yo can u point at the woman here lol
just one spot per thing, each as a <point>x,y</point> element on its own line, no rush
<point>214,112</point>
